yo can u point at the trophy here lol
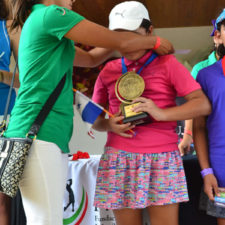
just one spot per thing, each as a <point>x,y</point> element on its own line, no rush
<point>128,87</point>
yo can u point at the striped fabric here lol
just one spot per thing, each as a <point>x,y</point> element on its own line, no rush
<point>133,180</point>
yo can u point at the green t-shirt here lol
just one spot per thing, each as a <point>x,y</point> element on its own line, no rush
<point>44,58</point>
<point>208,62</point>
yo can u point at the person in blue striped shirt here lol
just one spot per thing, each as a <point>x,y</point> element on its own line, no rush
<point>9,41</point>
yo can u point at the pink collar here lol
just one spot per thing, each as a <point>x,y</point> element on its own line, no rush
<point>142,60</point>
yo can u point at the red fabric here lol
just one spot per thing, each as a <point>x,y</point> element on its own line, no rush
<point>80,155</point>
<point>157,44</point>
<point>223,65</point>
<point>189,132</point>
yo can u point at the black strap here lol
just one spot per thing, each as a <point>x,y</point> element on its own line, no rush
<point>44,111</point>
<point>10,93</point>
<point>46,108</point>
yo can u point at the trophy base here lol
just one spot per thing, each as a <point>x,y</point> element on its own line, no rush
<point>132,117</point>
<point>139,119</point>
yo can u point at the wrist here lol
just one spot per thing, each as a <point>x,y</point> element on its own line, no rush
<point>160,114</point>
<point>107,125</point>
<point>157,43</point>
<point>188,132</point>
<point>206,171</point>
<point>1,76</point>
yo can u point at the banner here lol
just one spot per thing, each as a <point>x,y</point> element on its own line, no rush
<point>89,110</point>
<point>79,196</point>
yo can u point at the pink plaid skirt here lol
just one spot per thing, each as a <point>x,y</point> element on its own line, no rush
<point>135,180</point>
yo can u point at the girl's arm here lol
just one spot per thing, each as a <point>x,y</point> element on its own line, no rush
<point>201,146</point>
<point>184,145</point>
<point>113,124</point>
<point>197,105</point>
<point>89,33</point>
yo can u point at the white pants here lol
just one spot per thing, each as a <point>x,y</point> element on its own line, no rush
<point>43,184</point>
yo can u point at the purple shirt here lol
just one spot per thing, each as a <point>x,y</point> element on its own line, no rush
<point>212,80</point>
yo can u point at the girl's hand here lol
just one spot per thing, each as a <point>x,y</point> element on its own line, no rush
<point>115,125</point>
<point>185,144</point>
<point>210,186</point>
<point>147,105</point>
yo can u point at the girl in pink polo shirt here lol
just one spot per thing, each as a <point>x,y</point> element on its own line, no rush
<point>144,170</point>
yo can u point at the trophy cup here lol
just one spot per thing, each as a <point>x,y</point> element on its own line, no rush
<point>128,87</point>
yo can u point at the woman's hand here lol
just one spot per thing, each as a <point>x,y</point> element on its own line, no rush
<point>210,186</point>
<point>114,124</point>
<point>147,105</point>
<point>165,47</point>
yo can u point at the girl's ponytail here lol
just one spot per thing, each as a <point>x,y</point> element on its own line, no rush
<point>21,10</point>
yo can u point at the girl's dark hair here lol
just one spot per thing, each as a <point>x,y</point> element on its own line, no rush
<point>21,10</point>
<point>3,10</point>
<point>220,51</point>
<point>146,24</point>
<point>221,48</point>
<point>220,24</point>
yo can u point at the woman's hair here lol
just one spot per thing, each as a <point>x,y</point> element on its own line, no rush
<point>21,10</point>
<point>221,48</point>
<point>3,10</point>
<point>146,24</point>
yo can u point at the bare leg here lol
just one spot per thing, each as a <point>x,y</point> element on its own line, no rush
<point>165,214</point>
<point>5,209</point>
<point>128,216</point>
<point>220,221</point>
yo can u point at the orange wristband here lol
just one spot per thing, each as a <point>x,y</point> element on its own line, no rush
<point>157,43</point>
<point>189,132</point>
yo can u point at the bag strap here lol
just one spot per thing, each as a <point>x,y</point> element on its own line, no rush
<point>3,124</point>
<point>46,109</point>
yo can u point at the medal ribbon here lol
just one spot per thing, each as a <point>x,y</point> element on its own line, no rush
<point>151,58</point>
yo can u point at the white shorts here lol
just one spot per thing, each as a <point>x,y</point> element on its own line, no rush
<point>43,184</point>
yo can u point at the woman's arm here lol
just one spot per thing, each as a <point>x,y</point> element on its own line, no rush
<point>97,55</point>
<point>6,78</point>
<point>201,146</point>
<point>197,105</point>
<point>93,57</point>
<point>92,34</point>
<point>14,36</point>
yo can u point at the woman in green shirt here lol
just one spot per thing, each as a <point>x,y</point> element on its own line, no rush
<point>46,53</point>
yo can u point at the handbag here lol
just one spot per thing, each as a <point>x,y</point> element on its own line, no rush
<point>14,151</point>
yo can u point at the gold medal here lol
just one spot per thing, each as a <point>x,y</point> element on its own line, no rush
<point>129,86</point>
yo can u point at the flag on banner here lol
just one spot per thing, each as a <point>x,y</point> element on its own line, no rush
<point>88,110</point>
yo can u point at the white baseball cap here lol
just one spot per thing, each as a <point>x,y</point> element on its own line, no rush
<point>127,16</point>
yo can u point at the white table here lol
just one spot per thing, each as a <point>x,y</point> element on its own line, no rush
<point>81,185</point>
